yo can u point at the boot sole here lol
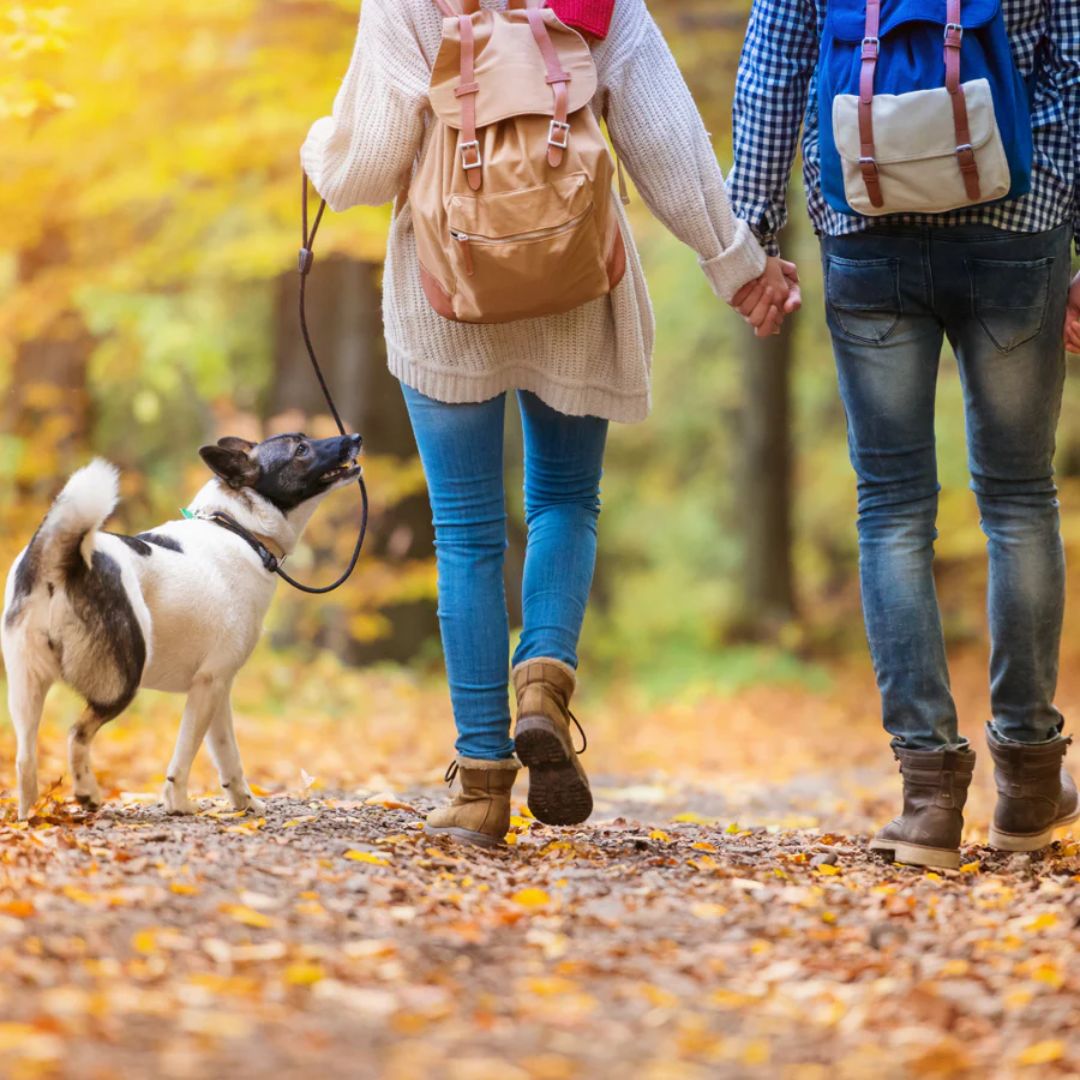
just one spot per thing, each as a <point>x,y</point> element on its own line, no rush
<point>1006,841</point>
<point>557,793</point>
<point>918,854</point>
<point>466,836</point>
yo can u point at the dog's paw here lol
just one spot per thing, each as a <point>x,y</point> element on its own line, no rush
<point>247,801</point>
<point>176,802</point>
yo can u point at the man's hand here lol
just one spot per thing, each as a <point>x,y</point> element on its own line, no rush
<point>1072,318</point>
<point>767,301</point>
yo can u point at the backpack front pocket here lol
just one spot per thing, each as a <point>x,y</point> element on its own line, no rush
<point>916,153</point>
<point>538,251</point>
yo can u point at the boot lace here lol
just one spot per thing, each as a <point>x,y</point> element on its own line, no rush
<point>581,732</point>
<point>451,771</point>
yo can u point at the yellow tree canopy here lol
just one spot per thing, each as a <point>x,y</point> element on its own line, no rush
<point>161,142</point>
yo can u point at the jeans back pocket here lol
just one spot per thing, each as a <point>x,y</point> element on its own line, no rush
<point>1009,298</point>
<point>863,297</point>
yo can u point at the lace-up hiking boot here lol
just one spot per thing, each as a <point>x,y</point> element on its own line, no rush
<point>928,830</point>
<point>480,812</point>
<point>558,787</point>
<point>1035,794</point>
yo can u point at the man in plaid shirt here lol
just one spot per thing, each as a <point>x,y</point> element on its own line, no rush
<point>994,280</point>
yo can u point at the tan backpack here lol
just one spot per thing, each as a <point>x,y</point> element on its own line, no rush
<point>512,201</point>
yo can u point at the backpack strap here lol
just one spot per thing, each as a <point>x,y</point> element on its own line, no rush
<point>871,48</point>
<point>965,153</point>
<point>468,7</point>
<point>469,148</point>
<point>557,78</point>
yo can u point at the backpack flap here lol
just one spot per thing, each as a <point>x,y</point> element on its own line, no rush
<point>846,19</point>
<point>510,70</point>
<point>915,150</point>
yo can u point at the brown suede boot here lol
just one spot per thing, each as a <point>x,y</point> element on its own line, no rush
<point>558,787</point>
<point>480,812</point>
<point>1035,794</point>
<point>927,832</point>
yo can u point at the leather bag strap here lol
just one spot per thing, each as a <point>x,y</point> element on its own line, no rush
<point>965,152</point>
<point>469,148</point>
<point>871,49</point>
<point>557,78</point>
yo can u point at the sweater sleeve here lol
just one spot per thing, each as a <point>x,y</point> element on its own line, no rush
<point>661,138</point>
<point>363,151</point>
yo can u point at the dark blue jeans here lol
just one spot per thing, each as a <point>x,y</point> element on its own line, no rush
<point>893,295</point>
<point>461,448</point>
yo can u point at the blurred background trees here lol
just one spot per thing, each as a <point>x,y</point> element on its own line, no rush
<point>149,197</point>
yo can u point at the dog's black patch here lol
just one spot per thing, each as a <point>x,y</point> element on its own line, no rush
<point>98,599</point>
<point>26,577</point>
<point>136,543</point>
<point>166,542</point>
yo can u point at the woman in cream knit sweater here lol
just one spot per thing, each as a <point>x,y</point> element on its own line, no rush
<point>572,373</point>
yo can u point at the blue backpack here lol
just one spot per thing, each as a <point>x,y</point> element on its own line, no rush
<point>922,108</point>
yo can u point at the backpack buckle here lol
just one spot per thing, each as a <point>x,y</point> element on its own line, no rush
<point>559,134</point>
<point>871,48</point>
<point>470,155</point>
<point>954,35</point>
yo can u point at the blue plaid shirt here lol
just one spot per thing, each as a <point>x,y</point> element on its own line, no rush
<point>776,92</point>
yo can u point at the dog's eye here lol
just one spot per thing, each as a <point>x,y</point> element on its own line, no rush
<point>303,450</point>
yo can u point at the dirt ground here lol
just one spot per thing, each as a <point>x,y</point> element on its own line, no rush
<point>720,915</point>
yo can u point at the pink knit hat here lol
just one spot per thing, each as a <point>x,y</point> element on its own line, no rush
<point>592,16</point>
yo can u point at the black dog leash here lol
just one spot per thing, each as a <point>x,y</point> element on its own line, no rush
<point>270,561</point>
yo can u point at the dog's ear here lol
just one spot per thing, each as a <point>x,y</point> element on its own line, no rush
<point>231,442</point>
<point>235,466</point>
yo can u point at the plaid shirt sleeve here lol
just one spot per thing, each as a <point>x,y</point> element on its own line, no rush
<point>1064,34</point>
<point>778,59</point>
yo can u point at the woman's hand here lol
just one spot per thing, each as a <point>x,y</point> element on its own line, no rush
<point>765,302</point>
<point>1072,317</point>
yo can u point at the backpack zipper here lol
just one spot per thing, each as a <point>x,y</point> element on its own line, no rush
<point>466,241</point>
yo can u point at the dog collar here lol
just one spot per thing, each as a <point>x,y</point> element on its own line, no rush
<point>270,561</point>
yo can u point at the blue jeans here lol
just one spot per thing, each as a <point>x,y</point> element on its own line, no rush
<point>893,295</point>
<point>461,448</point>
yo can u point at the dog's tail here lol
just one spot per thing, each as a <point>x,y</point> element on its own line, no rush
<point>80,510</point>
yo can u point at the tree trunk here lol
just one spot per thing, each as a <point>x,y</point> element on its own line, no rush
<point>47,403</point>
<point>765,485</point>
<point>345,320</point>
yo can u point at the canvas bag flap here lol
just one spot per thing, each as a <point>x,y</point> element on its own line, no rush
<point>915,126</point>
<point>847,18</point>
<point>509,69</point>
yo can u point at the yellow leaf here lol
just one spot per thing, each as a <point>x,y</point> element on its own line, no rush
<point>708,911</point>
<point>248,916</point>
<point>367,857</point>
<point>520,822</point>
<point>1042,1053</point>
<point>931,876</point>
<point>703,845</point>
<point>145,942</point>
<point>531,898</point>
<point>1041,922</point>
<point>688,817</point>
<point>257,790</point>
<point>80,896</point>
<point>511,837</point>
<point>970,868</point>
<point>181,889</point>
<point>303,974</point>
<point>659,834</point>
<point>828,917</point>
<point>829,870</point>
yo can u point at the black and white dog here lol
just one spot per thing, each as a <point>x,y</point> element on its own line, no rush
<point>178,608</point>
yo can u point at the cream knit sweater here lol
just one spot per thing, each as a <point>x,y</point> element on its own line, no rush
<point>595,360</point>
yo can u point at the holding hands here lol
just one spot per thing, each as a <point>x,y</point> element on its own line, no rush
<point>765,302</point>
<point>1072,318</point>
